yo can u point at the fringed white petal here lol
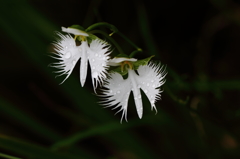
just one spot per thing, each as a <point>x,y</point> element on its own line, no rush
<point>117,93</point>
<point>67,53</point>
<point>98,55</point>
<point>119,90</point>
<point>151,77</point>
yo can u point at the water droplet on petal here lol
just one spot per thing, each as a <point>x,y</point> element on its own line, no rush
<point>118,92</point>
<point>153,85</point>
<point>152,102</point>
<point>139,96</point>
<point>67,55</point>
<point>143,82</point>
<point>147,84</point>
<point>93,67</point>
<point>139,86</point>
<point>73,62</point>
<point>110,91</point>
<point>152,80</point>
<point>93,60</point>
<point>66,47</point>
<point>94,74</point>
<point>146,91</point>
<point>96,55</point>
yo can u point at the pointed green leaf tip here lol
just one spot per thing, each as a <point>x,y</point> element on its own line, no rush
<point>141,62</point>
<point>77,27</point>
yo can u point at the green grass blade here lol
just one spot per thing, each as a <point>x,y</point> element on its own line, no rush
<point>25,120</point>
<point>31,150</point>
<point>8,156</point>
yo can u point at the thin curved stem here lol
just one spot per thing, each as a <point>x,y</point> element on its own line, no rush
<point>134,52</point>
<point>175,98</point>
<point>115,30</point>
<point>129,41</point>
<point>109,38</point>
<point>110,26</point>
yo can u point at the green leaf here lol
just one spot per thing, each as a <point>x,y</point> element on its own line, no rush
<point>141,62</point>
<point>8,156</point>
<point>97,130</point>
<point>27,121</point>
<point>31,150</point>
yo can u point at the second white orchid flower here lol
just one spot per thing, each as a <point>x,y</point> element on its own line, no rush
<point>148,78</point>
<point>68,53</point>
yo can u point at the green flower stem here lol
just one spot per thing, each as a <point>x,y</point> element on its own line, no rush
<point>175,98</point>
<point>8,156</point>
<point>115,30</point>
<point>110,26</point>
<point>109,38</point>
<point>134,52</point>
<point>130,42</point>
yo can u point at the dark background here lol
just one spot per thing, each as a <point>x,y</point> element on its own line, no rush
<point>198,116</point>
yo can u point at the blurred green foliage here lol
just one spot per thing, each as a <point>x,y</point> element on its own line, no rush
<point>198,116</point>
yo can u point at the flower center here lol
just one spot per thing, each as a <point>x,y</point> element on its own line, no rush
<point>126,65</point>
<point>83,38</point>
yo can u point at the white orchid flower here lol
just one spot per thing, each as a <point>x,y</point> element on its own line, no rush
<point>149,78</point>
<point>68,53</point>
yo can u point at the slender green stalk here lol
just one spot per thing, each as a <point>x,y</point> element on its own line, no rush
<point>115,30</point>
<point>134,52</point>
<point>174,97</point>
<point>129,41</point>
<point>8,156</point>
<point>109,38</point>
<point>96,25</point>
